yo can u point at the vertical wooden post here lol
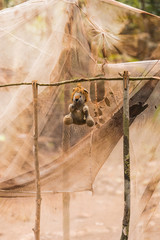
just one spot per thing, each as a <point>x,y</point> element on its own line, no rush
<point>36,161</point>
<point>126,157</point>
<point>66,216</point>
<point>66,196</point>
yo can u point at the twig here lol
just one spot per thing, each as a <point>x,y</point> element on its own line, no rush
<point>35,152</point>
<point>15,84</point>
<point>97,79</point>
<point>77,80</point>
<point>126,158</point>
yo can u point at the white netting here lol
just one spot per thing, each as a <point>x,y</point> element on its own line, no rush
<point>53,41</point>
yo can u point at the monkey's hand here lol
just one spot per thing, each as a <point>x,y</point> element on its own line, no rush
<point>86,112</point>
<point>72,107</point>
<point>85,109</point>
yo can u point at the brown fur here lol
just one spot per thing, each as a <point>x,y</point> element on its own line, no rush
<point>80,89</point>
<point>78,110</point>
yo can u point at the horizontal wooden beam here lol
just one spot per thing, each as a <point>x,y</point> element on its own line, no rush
<point>77,80</point>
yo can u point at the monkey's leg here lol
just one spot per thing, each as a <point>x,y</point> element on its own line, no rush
<point>89,121</point>
<point>88,118</point>
<point>68,119</point>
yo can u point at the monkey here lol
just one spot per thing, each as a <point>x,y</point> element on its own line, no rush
<point>78,110</point>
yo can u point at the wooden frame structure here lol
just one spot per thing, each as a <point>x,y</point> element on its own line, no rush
<point>126,158</point>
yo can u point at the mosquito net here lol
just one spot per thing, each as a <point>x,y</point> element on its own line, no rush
<point>54,41</point>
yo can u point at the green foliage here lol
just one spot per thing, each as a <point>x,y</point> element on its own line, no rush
<point>133,3</point>
<point>11,3</point>
<point>152,6</point>
<point>115,57</point>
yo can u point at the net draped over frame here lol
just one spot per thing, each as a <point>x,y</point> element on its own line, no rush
<point>53,41</point>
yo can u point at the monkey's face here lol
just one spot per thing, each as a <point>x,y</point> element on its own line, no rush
<point>79,99</point>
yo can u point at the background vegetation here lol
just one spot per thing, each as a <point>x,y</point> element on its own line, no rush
<point>152,6</point>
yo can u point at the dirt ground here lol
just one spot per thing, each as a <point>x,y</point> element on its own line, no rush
<point>94,215</point>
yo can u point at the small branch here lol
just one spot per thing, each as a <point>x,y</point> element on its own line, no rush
<point>77,80</point>
<point>15,84</point>
<point>35,152</point>
<point>97,79</point>
<point>126,158</point>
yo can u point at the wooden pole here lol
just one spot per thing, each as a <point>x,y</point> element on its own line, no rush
<point>36,161</point>
<point>155,78</point>
<point>66,195</point>
<point>126,157</point>
<point>66,216</point>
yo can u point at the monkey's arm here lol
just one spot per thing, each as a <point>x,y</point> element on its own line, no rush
<point>72,107</point>
<point>86,111</point>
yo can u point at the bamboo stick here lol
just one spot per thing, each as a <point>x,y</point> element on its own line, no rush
<point>36,161</point>
<point>81,80</point>
<point>126,158</point>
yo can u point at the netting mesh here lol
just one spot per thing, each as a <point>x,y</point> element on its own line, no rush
<point>53,41</point>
